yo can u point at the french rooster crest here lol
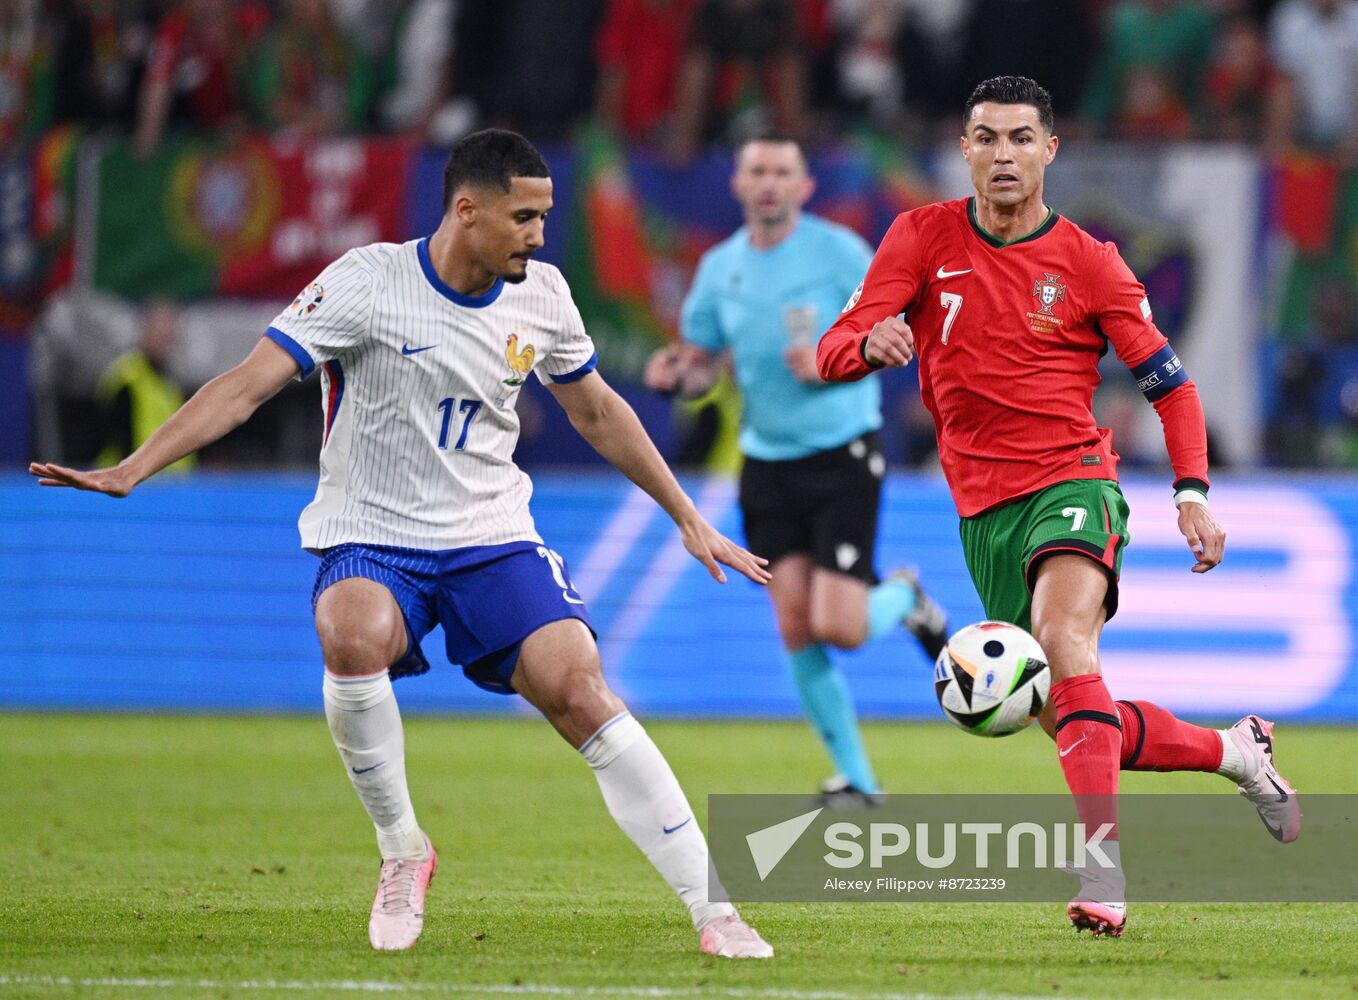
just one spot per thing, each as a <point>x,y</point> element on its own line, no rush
<point>520,362</point>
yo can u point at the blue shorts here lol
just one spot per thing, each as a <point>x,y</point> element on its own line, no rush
<point>488,598</point>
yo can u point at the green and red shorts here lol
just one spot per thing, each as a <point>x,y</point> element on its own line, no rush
<point>1004,546</point>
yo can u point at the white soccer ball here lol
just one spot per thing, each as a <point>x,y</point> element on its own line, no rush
<point>991,679</point>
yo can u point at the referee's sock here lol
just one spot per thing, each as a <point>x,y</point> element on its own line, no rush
<point>825,699</point>
<point>366,726</point>
<point>888,604</point>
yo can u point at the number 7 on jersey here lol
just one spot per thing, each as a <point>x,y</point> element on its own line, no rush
<point>953,303</point>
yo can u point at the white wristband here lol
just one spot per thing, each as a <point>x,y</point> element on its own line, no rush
<point>1190,496</point>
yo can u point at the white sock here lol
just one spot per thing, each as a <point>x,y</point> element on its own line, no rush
<point>366,726</point>
<point>1105,885</point>
<point>644,797</point>
<point>1232,760</point>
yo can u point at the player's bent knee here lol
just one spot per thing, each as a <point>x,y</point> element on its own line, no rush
<point>358,650</point>
<point>795,634</point>
<point>560,674</point>
<point>839,632</point>
<point>589,703</point>
<point>840,638</point>
<point>360,627</point>
<point>1070,651</point>
<point>1058,638</point>
<point>576,702</point>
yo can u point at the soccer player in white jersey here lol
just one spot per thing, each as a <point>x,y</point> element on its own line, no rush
<point>421,516</point>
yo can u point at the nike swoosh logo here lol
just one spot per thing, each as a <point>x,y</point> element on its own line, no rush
<point>951,274</point>
<point>1062,753</point>
<point>671,829</point>
<point>365,770</point>
<point>407,350</point>
<point>1282,795</point>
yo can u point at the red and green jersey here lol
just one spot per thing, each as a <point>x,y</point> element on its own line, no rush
<point>1009,337</point>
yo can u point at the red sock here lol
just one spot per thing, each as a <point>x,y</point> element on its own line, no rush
<point>1089,743</point>
<point>1154,740</point>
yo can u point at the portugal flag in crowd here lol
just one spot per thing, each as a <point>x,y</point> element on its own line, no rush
<point>254,217</point>
<point>611,257</point>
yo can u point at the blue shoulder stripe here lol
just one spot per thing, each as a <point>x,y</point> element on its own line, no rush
<point>580,372</point>
<point>298,352</point>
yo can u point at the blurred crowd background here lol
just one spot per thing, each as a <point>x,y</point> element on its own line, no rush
<point>682,73</point>
<point>172,172</point>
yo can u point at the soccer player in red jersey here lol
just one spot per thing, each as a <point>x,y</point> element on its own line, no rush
<point>1009,307</point>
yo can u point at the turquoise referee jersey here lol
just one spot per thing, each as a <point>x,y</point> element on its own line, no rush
<point>756,303</point>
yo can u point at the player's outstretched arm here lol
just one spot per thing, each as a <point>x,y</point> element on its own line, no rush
<point>217,408</point>
<point>604,419</point>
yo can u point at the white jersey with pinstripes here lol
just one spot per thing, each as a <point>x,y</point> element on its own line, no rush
<point>418,388</point>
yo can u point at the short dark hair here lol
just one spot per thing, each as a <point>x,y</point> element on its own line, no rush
<point>773,136</point>
<point>491,158</point>
<point>1011,90</point>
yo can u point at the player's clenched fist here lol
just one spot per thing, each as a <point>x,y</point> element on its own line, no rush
<point>1206,538</point>
<point>891,343</point>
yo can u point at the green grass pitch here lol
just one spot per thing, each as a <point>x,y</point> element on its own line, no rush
<point>155,856</point>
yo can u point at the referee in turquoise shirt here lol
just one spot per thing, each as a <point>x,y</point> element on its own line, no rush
<point>812,477</point>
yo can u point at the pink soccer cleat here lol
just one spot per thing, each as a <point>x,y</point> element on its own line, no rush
<point>731,937</point>
<point>1275,799</point>
<point>1097,918</point>
<point>398,911</point>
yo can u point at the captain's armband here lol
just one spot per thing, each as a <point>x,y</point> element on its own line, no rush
<point>1160,374</point>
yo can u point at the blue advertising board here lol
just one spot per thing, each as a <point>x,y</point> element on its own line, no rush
<point>194,595</point>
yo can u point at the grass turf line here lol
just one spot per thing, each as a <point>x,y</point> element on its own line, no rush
<point>230,851</point>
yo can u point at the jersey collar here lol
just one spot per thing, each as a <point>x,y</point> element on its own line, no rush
<point>447,290</point>
<point>1042,230</point>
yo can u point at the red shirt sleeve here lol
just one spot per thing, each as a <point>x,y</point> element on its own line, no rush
<point>1124,316</point>
<point>1185,429</point>
<point>890,286</point>
<point>1123,313</point>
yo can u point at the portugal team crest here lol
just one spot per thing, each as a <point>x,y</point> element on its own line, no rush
<point>1048,291</point>
<point>306,303</point>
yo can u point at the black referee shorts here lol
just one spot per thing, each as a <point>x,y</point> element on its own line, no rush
<point>823,505</point>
